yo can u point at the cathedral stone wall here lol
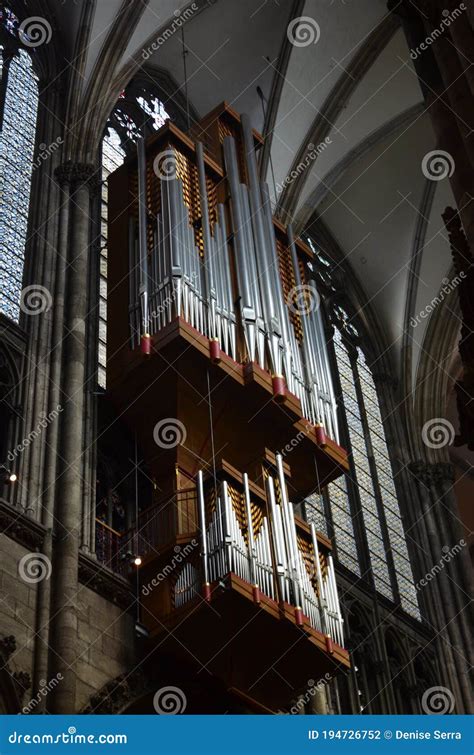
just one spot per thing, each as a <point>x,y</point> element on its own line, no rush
<point>18,604</point>
<point>105,643</point>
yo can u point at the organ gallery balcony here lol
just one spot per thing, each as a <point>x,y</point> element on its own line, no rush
<point>247,593</point>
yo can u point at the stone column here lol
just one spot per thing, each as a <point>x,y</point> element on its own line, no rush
<point>443,611</point>
<point>458,568</point>
<point>63,176</point>
<point>69,479</point>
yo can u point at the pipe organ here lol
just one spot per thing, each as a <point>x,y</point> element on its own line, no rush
<point>214,332</point>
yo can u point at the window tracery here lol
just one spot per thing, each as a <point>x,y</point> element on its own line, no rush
<point>370,486</point>
<point>18,114</point>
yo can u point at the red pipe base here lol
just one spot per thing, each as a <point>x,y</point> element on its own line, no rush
<point>329,646</point>
<point>299,616</point>
<point>206,592</point>
<point>321,439</point>
<point>145,344</point>
<point>256,594</point>
<point>279,387</point>
<point>214,350</point>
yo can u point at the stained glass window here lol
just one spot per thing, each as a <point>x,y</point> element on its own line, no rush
<point>371,473</point>
<point>17,141</point>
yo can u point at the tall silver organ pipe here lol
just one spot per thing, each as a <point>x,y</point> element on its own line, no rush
<point>142,235</point>
<point>266,261</point>
<point>247,305</point>
<point>208,264</point>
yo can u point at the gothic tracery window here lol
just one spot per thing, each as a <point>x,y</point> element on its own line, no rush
<point>368,491</point>
<point>18,113</point>
<point>134,113</point>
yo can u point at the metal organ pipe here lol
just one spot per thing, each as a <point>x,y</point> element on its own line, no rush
<point>202,524</point>
<point>265,259</point>
<point>208,264</point>
<point>251,542</point>
<point>291,533</point>
<point>143,245</point>
<point>322,596</point>
<point>227,298</point>
<point>247,302</point>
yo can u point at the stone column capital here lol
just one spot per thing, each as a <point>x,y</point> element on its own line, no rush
<point>432,474</point>
<point>74,173</point>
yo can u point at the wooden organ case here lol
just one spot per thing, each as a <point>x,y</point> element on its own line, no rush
<point>217,361</point>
